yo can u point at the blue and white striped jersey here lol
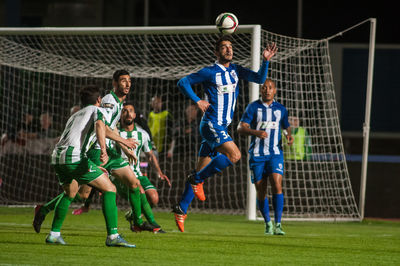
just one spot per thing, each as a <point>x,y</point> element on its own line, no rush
<point>270,118</point>
<point>221,88</point>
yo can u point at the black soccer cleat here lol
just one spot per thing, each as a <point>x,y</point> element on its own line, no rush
<point>38,219</point>
<point>145,226</point>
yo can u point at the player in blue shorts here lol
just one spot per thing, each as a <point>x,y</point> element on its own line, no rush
<point>217,150</point>
<point>263,121</point>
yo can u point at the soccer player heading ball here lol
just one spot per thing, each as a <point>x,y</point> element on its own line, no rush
<point>217,150</point>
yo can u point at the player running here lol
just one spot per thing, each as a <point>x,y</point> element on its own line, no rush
<point>73,167</point>
<point>263,120</point>
<point>217,150</point>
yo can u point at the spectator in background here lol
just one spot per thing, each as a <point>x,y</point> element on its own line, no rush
<point>159,122</point>
<point>46,127</point>
<point>186,136</point>
<point>19,133</point>
<point>301,148</point>
<point>28,128</point>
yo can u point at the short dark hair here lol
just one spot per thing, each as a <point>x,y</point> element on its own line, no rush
<point>221,39</point>
<point>89,94</point>
<point>128,103</point>
<point>118,73</point>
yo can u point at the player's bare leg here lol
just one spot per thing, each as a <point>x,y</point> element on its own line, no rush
<point>84,193</point>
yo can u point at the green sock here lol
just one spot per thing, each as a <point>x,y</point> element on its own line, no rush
<point>60,212</point>
<point>134,201</point>
<point>110,212</point>
<point>51,205</point>
<point>146,209</point>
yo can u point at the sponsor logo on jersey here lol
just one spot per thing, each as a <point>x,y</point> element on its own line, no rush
<point>108,105</point>
<point>268,125</point>
<point>222,89</point>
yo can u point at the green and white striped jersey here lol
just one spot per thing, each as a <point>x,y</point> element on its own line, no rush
<point>113,107</point>
<point>144,143</point>
<point>79,134</point>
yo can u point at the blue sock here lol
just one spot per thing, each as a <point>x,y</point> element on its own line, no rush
<point>217,164</point>
<point>263,206</point>
<point>187,197</point>
<point>277,201</point>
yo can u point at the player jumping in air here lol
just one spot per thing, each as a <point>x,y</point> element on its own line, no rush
<point>217,150</point>
<point>263,120</point>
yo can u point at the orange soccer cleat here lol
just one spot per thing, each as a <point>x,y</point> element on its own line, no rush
<point>180,217</point>
<point>197,187</point>
<point>198,191</point>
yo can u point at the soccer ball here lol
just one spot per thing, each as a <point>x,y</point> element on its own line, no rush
<point>227,23</point>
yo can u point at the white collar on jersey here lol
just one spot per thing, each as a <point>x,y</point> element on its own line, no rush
<point>266,105</point>
<point>221,66</point>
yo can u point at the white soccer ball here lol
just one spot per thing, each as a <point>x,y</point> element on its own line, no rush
<point>227,23</point>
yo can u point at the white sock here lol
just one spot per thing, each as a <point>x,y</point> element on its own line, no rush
<point>113,236</point>
<point>55,234</point>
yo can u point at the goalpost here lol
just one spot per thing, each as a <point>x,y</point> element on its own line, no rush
<point>42,69</point>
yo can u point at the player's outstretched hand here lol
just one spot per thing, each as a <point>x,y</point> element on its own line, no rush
<point>203,105</point>
<point>165,178</point>
<point>270,51</point>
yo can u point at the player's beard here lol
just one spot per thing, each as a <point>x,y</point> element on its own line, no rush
<point>127,122</point>
<point>122,92</point>
<point>225,59</point>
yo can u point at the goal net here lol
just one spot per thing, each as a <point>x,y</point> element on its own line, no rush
<point>42,70</point>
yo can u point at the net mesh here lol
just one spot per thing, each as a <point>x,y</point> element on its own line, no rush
<point>41,74</point>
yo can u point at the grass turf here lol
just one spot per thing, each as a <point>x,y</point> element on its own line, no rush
<point>208,240</point>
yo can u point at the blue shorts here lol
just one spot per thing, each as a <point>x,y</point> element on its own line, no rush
<point>213,134</point>
<point>269,164</point>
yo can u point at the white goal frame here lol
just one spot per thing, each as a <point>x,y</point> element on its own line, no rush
<point>254,30</point>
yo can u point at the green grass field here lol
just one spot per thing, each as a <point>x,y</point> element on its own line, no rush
<point>208,240</point>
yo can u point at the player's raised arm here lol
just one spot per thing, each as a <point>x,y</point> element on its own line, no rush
<point>270,51</point>
<point>261,75</point>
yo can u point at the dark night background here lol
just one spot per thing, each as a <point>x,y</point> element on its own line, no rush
<point>320,18</point>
